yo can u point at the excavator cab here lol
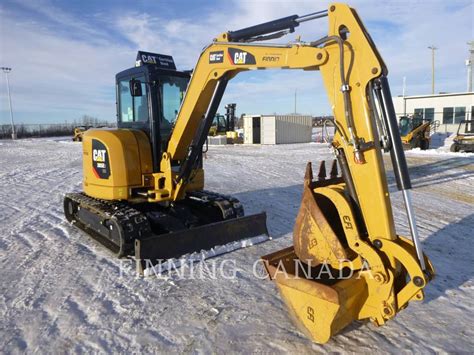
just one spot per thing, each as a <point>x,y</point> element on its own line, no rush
<point>148,98</point>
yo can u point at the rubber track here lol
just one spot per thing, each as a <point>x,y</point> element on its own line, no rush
<point>134,224</point>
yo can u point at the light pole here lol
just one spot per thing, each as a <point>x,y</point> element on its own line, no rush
<point>6,71</point>
<point>295,100</point>
<point>470,64</point>
<point>433,48</point>
<point>403,93</point>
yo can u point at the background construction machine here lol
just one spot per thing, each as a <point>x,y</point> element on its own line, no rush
<point>79,132</point>
<point>464,139</point>
<point>225,125</point>
<point>415,131</point>
<point>219,126</point>
<point>144,182</point>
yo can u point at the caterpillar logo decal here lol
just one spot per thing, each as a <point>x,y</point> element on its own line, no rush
<point>216,57</point>
<point>155,59</point>
<point>100,160</point>
<point>239,57</point>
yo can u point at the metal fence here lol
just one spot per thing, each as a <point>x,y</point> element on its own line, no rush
<point>39,130</point>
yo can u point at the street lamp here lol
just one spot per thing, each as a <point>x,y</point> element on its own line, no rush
<point>433,48</point>
<point>6,71</point>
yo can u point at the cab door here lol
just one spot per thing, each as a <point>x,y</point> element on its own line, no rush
<point>137,112</point>
<point>132,111</point>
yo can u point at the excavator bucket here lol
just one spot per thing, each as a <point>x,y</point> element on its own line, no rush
<point>319,308</point>
<point>317,221</point>
<point>320,300</point>
<point>326,284</point>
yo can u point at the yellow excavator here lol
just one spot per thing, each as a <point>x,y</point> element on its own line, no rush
<point>144,181</point>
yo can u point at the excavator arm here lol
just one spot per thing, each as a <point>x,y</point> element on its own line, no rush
<point>344,221</point>
<point>354,76</point>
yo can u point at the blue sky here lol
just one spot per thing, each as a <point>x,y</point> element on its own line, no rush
<point>65,54</point>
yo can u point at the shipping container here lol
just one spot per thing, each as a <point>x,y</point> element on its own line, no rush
<point>277,129</point>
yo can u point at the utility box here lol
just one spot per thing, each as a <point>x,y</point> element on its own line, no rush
<point>217,140</point>
<point>277,129</point>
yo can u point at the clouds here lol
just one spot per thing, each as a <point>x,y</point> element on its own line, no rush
<point>65,57</point>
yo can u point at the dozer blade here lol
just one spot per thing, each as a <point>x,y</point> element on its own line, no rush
<point>209,240</point>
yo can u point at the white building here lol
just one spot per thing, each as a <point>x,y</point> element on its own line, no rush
<point>448,109</point>
<point>275,129</point>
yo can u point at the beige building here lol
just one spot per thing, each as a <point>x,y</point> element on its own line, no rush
<point>277,129</point>
<point>448,109</point>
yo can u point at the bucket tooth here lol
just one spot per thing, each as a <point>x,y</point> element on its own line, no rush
<point>333,174</point>
<point>322,171</point>
<point>308,176</point>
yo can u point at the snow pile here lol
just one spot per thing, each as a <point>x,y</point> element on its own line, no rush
<point>443,151</point>
<point>440,145</point>
<point>438,140</point>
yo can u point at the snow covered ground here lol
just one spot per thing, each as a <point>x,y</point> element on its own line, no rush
<point>61,291</point>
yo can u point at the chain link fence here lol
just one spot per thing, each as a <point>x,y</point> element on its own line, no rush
<point>40,130</point>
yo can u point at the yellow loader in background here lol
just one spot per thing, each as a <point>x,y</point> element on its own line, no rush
<point>79,132</point>
<point>415,131</point>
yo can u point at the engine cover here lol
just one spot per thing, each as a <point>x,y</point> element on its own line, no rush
<point>114,161</point>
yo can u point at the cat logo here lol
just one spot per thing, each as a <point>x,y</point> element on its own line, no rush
<point>239,57</point>
<point>149,59</point>
<point>99,155</point>
<point>155,59</point>
<point>100,160</point>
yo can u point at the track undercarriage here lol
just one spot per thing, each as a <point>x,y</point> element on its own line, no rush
<point>157,232</point>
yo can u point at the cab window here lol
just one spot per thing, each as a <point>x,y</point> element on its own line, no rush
<point>172,93</point>
<point>132,109</point>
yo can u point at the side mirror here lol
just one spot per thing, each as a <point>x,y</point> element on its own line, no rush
<point>135,88</point>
